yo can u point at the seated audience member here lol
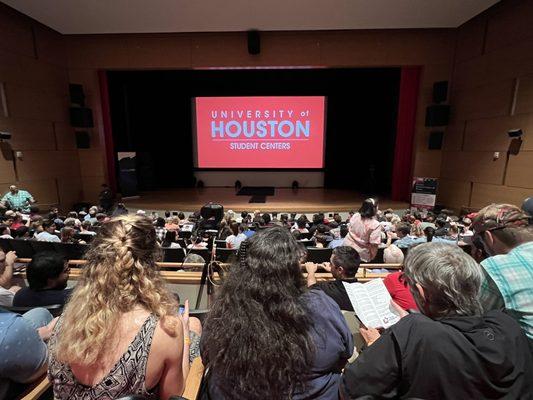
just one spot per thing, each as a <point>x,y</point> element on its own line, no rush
<point>5,232</point>
<point>17,222</point>
<point>48,233</point>
<point>266,336</point>
<point>399,291</point>
<point>343,231</point>
<point>465,354</point>
<point>47,276</point>
<point>248,232</point>
<point>85,229</point>
<point>322,236</point>
<point>91,216</point>
<point>343,265</point>
<point>429,233</point>
<point>393,255</point>
<point>137,337</point>
<point>453,233</point>
<point>504,233</point>
<point>284,219</point>
<point>119,210</point>
<point>301,225</point>
<point>405,239</point>
<point>170,240</point>
<point>173,224</point>
<point>67,236</point>
<point>8,287</point>
<point>441,227</point>
<point>23,233</point>
<point>24,351</point>
<point>224,231</point>
<point>182,218</point>
<point>160,230</point>
<point>234,240</point>
<point>100,219</point>
<point>365,231</point>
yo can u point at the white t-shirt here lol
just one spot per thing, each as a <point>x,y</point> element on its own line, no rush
<point>234,242</point>
<point>6,297</point>
<point>47,237</point>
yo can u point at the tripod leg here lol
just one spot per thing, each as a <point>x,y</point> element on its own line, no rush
<point>202,283</point>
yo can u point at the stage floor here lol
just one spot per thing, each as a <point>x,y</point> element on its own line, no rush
<point>305,200</point>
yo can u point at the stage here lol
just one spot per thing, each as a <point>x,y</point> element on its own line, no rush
<point>304,200</point>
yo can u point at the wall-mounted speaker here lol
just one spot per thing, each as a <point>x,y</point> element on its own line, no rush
<point>437,115</point>
<point>440,92</point>
<point>76,94</point>
<point>435,140</point>
<point>83,140</point>
<point>81,117</point>
<point>254,42</point>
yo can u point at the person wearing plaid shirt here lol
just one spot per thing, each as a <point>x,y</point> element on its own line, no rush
<point>16,199</point>
<point>504,233</point>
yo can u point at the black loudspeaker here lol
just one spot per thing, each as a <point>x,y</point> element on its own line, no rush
<point>437,115</point>
<point>81,117</point>
<point>440,92</point>
<point>254,42</point>
<point>435,140</point>
<point>295,185</point>
<point>83,140</point>
<point>212,210</point>
<point>76,94</point>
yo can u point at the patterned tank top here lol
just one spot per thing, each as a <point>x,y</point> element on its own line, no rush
<point>125,378</point>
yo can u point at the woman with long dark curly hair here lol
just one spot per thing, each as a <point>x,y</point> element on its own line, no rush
<point>266,336</point>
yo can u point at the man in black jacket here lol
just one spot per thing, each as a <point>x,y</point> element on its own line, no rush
<point>450,351</point>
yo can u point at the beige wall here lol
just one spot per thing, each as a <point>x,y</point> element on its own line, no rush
<point>432,49</point>
<point>492,92</point>
<point>34,74</point>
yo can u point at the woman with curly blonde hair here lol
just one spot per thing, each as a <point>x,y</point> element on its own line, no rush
<point>120,333</point>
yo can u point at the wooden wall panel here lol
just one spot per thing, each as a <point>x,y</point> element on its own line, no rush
<point>470,38</point>
<point>29,134</point>
<point>427,163</point>
<point>96,51</point>
<point>520,170</point>
<point>50,46</point>
<point>524,100</point>
<point>472,166</point>
<point>482,102</point>
<point>509,22</point>
<point>92,185</point>
<point>483,195</point>
<point>490,134</point>
<point>7,172</point>
<point>70,191</point>
<point>64,136</point>
<point>32,103</point>
<point>91,162</point>
<point>15,33</point>
<point>453,193</point>
<point>48,165</point>
<point>454,136</point>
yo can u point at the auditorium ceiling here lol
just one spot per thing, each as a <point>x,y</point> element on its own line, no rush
<point>157,16</point>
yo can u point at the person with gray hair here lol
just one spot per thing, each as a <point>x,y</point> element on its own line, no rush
<point>451,350</point>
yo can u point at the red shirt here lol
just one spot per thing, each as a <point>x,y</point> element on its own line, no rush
<point>399,291</point>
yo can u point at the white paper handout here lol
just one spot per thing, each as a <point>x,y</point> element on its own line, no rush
<point>371,303</point>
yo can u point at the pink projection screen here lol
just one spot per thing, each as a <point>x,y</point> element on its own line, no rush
<point>259,132</point>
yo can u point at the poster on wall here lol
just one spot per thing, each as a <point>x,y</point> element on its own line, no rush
<point>424,193</point>
<point>127,173</point>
